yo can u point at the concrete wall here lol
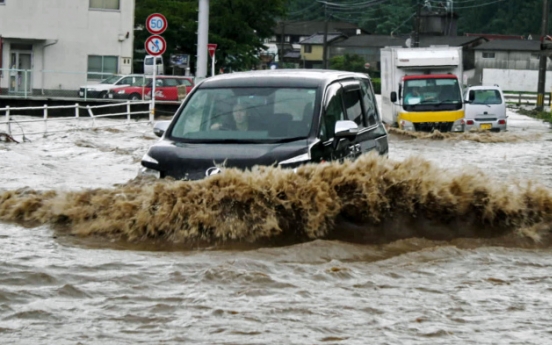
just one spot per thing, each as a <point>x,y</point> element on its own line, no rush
<point>74,30</point>
<point>515,80</point>
<point>505,60</point>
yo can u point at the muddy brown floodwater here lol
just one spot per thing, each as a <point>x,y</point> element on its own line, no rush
<point>446,241</point>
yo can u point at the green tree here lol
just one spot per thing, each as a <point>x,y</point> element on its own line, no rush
<point>351,63</point>
<point>238,27</point>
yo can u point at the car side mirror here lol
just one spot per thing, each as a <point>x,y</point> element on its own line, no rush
<point>345,129</point>
<point>393,96</point>
<point>160,127</point>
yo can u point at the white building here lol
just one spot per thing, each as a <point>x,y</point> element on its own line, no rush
<point>55,46</point>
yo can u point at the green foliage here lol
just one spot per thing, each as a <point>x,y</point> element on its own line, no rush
<point>376,82</point>
<point>236,26</point>
<point>513,17</point>
<point>351,63</point>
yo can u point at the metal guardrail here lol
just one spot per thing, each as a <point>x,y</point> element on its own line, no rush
<point>7,119</point>
<point>523,98</point>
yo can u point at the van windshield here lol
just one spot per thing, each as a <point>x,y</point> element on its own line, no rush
<point>263,115</point>
<point>486,97</point>
<point>149,61</point>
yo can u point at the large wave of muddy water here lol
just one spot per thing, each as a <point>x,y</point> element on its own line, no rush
<point>446,241</point>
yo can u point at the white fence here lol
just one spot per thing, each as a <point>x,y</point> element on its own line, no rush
<point>528,99</point>
<point>24,116</point>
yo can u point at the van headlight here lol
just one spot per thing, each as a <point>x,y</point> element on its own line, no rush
<point>301,159</point>
<point>148,171</point>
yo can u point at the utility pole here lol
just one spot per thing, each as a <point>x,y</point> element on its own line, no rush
<point>325,49</point>
<point>202,38</point>
<point>282,39</point>
<point>543,57</point>
<point>416,42</point>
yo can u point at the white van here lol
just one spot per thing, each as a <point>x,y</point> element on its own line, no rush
<point>485,108</point>
<point>148,65</point>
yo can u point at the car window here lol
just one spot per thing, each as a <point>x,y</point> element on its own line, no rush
<point>352,100</point>
<point>184,82</point>
<point>333,112</point>
<point>137,81</point>
<point>125,81</point>
<point>110,80</point>
<point>369,102</point>
<point>170,82</point>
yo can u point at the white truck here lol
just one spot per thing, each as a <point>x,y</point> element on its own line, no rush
<point>421,88</point>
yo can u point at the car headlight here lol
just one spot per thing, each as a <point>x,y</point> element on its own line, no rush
<point>122,92</point>
<point>458,125</point>
<point>303,158</point>
<point>89,90</point>
<point>149,159</point>
<point>407,125</point>
<point>149,172</point>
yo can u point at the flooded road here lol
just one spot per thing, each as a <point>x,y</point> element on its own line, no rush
<point>446,242</point>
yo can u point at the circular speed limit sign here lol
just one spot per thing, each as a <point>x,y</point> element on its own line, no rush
<point>155,45</point>
<point>156,23</point>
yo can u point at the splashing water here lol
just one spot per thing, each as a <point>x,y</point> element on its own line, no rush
<point>370,200</point>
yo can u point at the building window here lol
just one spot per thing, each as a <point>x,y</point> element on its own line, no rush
<point>487,55</point>
<point>105,4</point>
<point>308,48</point>
<point>101,67</point>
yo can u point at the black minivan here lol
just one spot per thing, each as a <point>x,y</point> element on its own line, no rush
<point>285,117</point>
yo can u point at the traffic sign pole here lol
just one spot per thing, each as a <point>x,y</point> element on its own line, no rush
<point>156,45</point>
<point>152,104</point>
<point>212,47</point>
<point>213,66</point>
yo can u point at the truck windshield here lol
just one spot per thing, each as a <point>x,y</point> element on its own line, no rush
<point>419,93</point>
<point>262,115</point>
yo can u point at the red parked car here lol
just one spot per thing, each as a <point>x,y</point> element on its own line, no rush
<point>166,89</point>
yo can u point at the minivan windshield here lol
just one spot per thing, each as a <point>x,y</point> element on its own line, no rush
<point>486,96</point>
<point>258,115</point>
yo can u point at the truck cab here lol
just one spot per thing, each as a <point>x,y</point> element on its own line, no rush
<point>429,102</point>
<point>421,88</point>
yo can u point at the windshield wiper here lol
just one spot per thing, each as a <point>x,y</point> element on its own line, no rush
<point>286,140</point>
<point>447,101</point>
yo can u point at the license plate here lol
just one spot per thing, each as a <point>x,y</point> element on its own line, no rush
<point>486,126</point>
<point>81,93</point>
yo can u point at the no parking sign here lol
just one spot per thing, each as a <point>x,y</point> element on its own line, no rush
<point>156,45</point>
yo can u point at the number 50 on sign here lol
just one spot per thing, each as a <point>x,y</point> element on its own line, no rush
<point>156,23</point>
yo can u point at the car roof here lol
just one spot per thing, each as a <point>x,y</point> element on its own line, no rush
<point>168,76</point>
<point>485,87</point>
<point>278,77</point>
